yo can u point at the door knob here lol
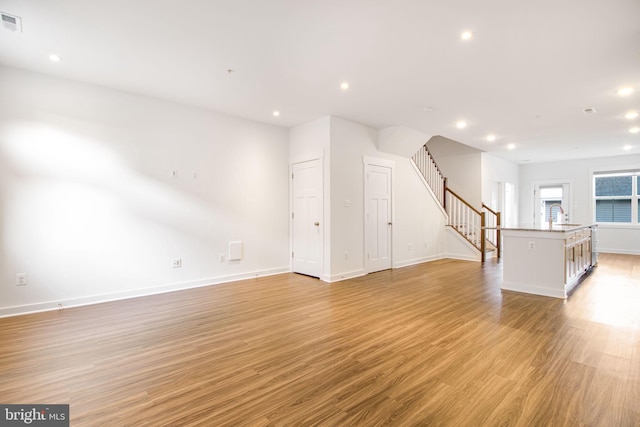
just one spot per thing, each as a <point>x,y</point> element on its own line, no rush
<point>317,224</point>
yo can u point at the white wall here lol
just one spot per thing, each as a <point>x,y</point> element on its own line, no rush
<point>461,165</point>
<point>310,140</point>
<point>420,231</point>
<point>417,218</point>
<point>419,225</point>
<point>88,207</point>
<point>497,170</point>
<point>349,143</point>
<point>612,238</point>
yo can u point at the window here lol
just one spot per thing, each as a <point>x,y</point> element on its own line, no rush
<point>549,196</point>
<point>617,197</point>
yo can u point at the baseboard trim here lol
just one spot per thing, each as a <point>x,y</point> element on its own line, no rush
<point>618,251</point>
<point>116,296</point>
<point>344,276</point>
<point>417,261</point>
<point>534,290</point>
<point>463,257</point>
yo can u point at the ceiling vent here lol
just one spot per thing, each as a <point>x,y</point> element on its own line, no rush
<point>11,23</point>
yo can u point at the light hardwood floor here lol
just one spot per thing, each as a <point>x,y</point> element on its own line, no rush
<point>434,344</point>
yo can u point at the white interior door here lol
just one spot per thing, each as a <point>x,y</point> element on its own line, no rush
<point>306,217</point>
<point>378,222</point>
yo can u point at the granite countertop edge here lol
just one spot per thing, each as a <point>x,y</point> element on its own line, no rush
<point>556,228</point>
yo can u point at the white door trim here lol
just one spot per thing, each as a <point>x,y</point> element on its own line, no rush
<point>567,183</point>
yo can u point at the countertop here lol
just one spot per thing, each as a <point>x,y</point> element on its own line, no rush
<point>561,228</point>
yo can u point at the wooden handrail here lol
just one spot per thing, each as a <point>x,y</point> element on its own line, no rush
<point>466,220</point>
<point>464,201</point>
<point>490,210</point>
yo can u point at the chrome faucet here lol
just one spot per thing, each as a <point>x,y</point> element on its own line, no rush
<point>550,213</point>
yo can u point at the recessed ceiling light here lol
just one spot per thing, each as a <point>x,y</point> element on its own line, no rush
<point>54,58</point>
<point>276,113</point>
<point>625,91</point>
<point>627,147</point>
<point>589,110</point>
<point>344,85</point>
<point>634,130</point>
<point>461,124</point>
<point>511,146</point>
<point>491,137</point>
<point>466,35</point>
<point>631,115</point>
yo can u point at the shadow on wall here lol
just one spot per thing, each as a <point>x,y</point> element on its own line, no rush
<point>72,209</point>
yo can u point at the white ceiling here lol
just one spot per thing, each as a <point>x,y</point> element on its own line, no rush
<point>526,75</point>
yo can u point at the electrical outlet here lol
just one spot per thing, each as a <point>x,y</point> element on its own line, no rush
<point>176,263</point>
<point>174,173</point>
<point>346,256</point>
<point>409,246</point>
<point>21,279</point>
<point>532,246</point>
<point>221,258</point>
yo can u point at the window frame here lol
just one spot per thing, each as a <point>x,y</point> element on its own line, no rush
<point>634,197</point>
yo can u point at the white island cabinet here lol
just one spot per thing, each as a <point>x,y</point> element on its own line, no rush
<point>547,260</point>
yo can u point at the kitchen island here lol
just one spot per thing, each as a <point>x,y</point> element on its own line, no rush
<point>547,260</point>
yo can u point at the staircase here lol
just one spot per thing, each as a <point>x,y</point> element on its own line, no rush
<point>479,227</point>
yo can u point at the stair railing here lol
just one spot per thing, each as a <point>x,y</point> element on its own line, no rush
<point>467,221</point>
<point>432,174</point>
<point>477,227</point>
<point>492,227</point>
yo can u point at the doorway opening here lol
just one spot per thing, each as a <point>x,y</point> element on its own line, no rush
<point>546,195</point>
<point>503,199</point>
